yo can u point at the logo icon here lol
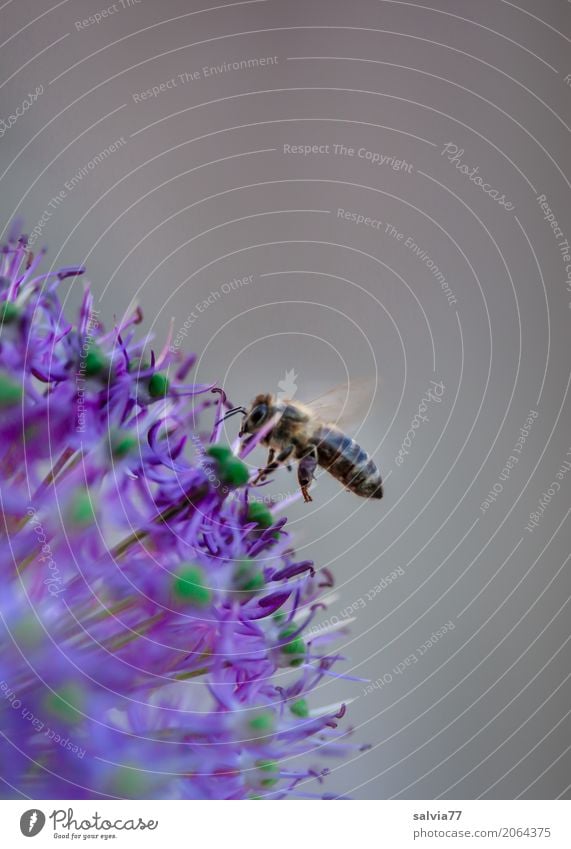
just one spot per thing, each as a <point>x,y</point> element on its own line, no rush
<point>32,822</point>
<point>287,386</point>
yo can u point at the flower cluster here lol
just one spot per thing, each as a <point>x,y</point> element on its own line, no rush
<point>152,615</point>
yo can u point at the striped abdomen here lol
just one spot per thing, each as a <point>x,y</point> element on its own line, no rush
<point>344,458</point>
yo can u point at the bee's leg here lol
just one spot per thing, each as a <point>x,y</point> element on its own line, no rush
<point>305,470</point>
<point>272,463</point>
<point>262,472</point>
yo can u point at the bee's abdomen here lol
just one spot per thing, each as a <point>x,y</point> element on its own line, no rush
<point>344,458</point>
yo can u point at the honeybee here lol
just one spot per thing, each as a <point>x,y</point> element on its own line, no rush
<point>301,432</point>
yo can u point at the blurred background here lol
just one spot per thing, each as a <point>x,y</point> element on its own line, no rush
<point>312,192</point>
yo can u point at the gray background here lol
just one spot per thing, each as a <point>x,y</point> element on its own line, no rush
<point>202,192</point>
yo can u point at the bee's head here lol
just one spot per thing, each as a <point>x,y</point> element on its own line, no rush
<point>259,413</point>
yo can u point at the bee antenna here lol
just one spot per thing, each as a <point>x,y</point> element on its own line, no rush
<point>232,412</point>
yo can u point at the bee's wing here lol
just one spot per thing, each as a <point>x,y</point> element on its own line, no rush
<point>347,405</point>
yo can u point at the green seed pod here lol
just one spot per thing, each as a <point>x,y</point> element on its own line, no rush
<point>294,650</point>
<point>122,444</point>
<point>10,392</point>
<point>259,513</point>
<point>130,783</point>
<point>248,579</point>
<point>158,385</point>
<point>229,468</point>
<point>81,510</point>
<point>95,362</point>
<point>66,704</point>
<point>263,723</point>
<point>270,772</point>
<point>300,708</point>
<point>9,312</point>
<point>219,451</point>
<point>189,586</point>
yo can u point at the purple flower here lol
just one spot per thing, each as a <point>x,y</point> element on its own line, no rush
<point>154,621</point>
